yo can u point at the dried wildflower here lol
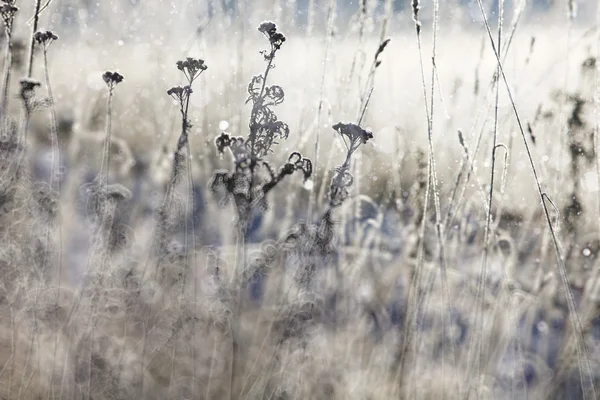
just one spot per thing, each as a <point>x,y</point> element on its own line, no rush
<point>180,94</point>
<point>275,94</point>
<point>253,177</point>
<point>355,134</point>
<point>112,79</point>
<point>295,163</point>
<point>28,87</point>
<point>342,178</point>
<point>8,11</point>
<point>45,38</point>
<point>191,67</point>
<point>301,164</point>
<point>222,141</point>
<point>269,29</point>
<point>175,91</point>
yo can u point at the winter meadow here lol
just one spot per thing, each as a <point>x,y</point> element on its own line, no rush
<point>300,199</point>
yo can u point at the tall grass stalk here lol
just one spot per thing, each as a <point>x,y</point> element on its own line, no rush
<point>479,321</point>
<point>431,189</point>
<point>317,194</point>
<point>596,131</point>
<point>587,382</point>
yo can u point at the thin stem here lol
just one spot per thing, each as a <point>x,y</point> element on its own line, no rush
<point>587,382</point>
<point>54,182</point>
<point>313,200</point>
<point>34,28</point>
<point>6,75</point>
<point>104,167</point>
<point>479,303</point>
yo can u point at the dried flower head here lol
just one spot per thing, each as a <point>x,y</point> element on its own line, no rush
<point>192,68</point>
<point>8,11</point>
<point>269,29</point>
<point>355,134</point>
<point>28,87</point>
<point>45,38</point>
<point>112,79</point>
<point>222,141</point>
<point>29,84</point>
<point>180,93</point>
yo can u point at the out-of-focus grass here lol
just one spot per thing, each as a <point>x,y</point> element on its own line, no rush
<point>341,336</point>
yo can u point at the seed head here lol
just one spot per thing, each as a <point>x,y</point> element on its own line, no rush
<point>28,87</point>
<point>29,84</point>
<point>180,93</point>
<point>8,11</point>
<point>191,67</point>
<point>353,132</point>
<point>269,29</point>
<point>45,38</point>
<point>112,79</point>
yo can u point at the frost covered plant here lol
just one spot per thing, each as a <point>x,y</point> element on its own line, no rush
<point>7,11</point>
<point>112,79</point>
<point>253,177</point>
<point>97,190</point>
<point>353,136</point>
<point>28,87</point>
<point>191,68</point>
<point>13,139</point>
<point>45,38</point>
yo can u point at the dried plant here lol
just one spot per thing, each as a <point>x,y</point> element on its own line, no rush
<point>253,176</point>
<point>147,298</point>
